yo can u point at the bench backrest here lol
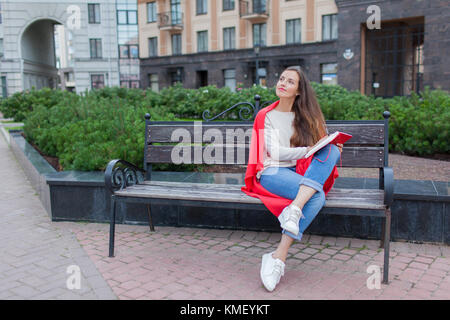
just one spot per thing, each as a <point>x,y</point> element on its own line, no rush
<point>199,142</point>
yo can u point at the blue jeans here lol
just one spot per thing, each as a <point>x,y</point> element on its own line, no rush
<point>285,182</point>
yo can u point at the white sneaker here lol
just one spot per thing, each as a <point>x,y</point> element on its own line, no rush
<point>271,271</point>
<point>290,217</point>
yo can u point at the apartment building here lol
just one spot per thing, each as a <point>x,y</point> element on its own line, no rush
<point>227,42</point>
<point>74,45</point>
<point>234,42</point>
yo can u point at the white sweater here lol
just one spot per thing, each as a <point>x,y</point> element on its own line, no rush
<point>278,131</point>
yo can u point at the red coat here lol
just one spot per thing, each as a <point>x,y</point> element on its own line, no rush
<point>252,187</point>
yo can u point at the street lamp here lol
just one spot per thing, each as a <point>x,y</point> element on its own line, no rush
<point>256,49</point>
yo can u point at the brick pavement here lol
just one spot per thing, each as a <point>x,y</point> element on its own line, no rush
<point>35,252</point>
<point>188,263</point>
<point>184,263</point>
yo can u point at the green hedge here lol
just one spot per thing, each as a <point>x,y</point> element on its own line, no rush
<point>86,131</point>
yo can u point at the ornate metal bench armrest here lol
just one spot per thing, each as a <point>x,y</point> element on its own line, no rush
<point>388,176</point>
<point>120,174</point>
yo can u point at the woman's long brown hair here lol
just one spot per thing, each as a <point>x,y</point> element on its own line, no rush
<point>309,122</point>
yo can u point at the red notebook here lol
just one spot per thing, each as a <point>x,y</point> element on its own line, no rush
<point>334,138</point>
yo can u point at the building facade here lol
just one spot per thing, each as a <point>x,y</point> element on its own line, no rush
<point>128,46</point>
<point>225,42</point>
<point>406,53</point>
<point>71,44</point>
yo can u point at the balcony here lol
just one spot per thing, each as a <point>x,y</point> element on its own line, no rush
<point>170,21</point>
<point>254,10</point>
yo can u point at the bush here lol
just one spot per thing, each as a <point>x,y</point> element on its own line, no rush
<point>21,103</point>
<point>420,125</point>
<point>86,131</point>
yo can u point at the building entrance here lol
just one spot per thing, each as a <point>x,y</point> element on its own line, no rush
<point>394,58</point>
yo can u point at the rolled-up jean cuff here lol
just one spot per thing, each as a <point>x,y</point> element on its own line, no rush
<point>293,236</point>
<point>311,183</point>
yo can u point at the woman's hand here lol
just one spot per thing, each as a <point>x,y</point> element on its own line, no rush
<point>340,146</point>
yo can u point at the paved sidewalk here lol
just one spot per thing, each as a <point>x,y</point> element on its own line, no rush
<point>184,263</point>
<point>188,263</point>
<point>35,252</point>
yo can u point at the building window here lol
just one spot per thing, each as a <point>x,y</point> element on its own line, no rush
<point>1,47</point>
<point>202,41</point>
<point>97,81</point>
<point>94,13</point>
<point>293,31</point>
<point>134,84</point>
<point>229,42</point>
<point>176,44</point>
<point>202,6</point>
<point>4,87</point>
<point>229,76</point>
<point>128,51</point>
<point>176,76</point>
<point>176,13</point>
<point>328,73</point>
<point>228,5</point>
<point>262,76</point>
<point>153,80</point>
<point>153,47</point>
<point>259,6</point>
<point>329,27</point>
<point>95,48</point>
<point>126,16</point>
<point>151,11</point>
<point>259,34</point>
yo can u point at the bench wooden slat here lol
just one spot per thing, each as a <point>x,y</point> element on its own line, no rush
<point>355,157</point>
<point>337,198</point>
<point>234,188</point>
<point>236,192</point>
<point>372,134</point>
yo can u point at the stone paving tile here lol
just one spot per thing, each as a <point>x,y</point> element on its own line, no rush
<point>35,251</point>
<point>188,263</point>
<point>184,271</point>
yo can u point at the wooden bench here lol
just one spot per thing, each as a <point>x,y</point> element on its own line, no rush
<point>128,183</point>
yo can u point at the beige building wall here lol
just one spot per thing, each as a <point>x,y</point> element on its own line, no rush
<point>197,23</point>
<point>292,10</point>
<point>309,11</point>
<point>323,7</point>
<point>228,19</point>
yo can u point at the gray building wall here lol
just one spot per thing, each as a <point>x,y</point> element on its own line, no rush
<point>27,30</point>
<point>352,15</point>
<point>275,58</point>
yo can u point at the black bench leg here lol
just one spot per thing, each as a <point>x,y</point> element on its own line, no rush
<point>383,234</point>
<point>387,238</point>
<point>112,225</point>
<point>150,221</point>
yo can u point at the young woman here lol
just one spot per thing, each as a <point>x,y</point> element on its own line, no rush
<point>291,186</point>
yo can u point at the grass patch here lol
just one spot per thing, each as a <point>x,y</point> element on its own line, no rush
<point>13,128</point>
